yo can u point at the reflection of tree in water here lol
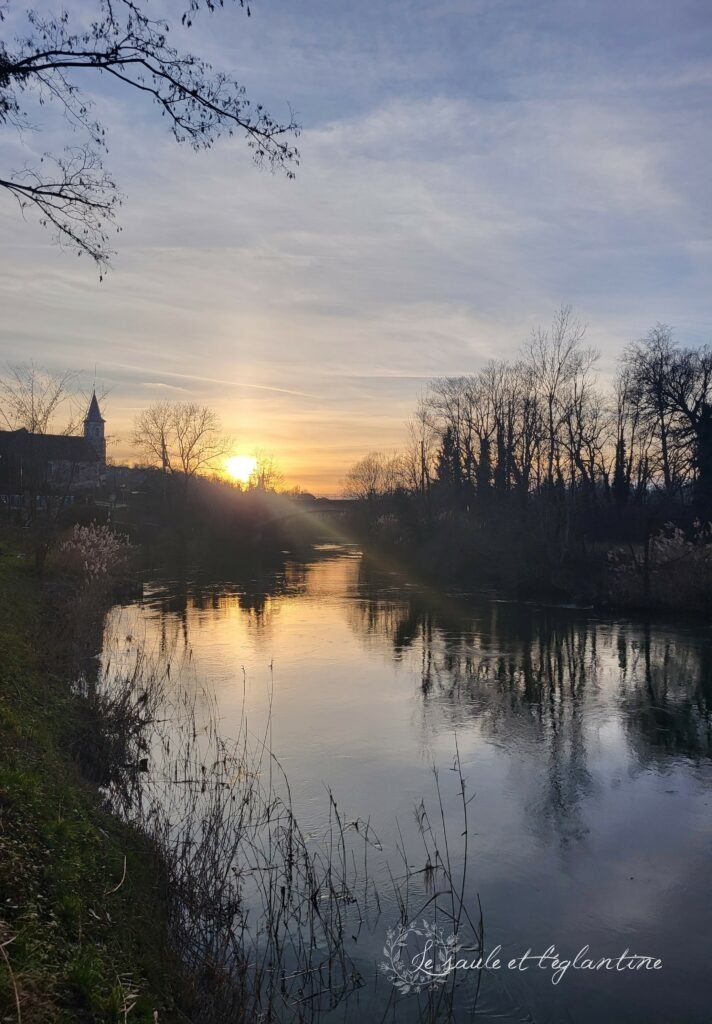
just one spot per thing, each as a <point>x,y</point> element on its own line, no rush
<point>666,691</point>
<point>178,603</point>
<point>524,680</point>
<point>530,678</point>
<point>521,679</point>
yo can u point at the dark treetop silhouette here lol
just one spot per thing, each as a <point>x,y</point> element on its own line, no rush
<point>532,471</point>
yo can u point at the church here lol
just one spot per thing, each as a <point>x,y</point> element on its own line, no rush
<point>53,463</point>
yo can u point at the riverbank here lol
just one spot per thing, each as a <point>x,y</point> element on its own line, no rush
<point>668,570</point>
<point>587,743</point>
<point>83,920</point>
<point>506,676</point>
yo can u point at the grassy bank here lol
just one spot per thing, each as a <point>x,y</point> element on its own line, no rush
<point>236,915</point>
<point>83,934</point>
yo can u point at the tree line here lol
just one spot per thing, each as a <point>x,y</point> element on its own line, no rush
<point>183,439</point>
<point>539,443</point>
<point>180,484</point>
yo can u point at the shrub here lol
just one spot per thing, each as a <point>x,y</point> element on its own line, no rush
<point>676,571</point>
<point>95,551</point>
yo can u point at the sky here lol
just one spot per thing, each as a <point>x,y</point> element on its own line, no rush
<point>467,166</point>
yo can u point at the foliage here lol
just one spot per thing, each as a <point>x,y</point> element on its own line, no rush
<point>672,570</point>
<point>82,921</point>
<point>230,912</point>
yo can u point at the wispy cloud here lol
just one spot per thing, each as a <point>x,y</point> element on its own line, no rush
<point>197,379</point>
<point>465,169</point>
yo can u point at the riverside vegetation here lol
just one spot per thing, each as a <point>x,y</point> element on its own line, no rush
<point>530,477</point>
<point>83,926</point>
<point>152,871</point>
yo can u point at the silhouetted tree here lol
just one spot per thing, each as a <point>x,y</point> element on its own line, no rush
<point>266,476</point>
<point>448,472</point>
<point>49,62</point>
<point>671,388</point>
<point>649,364</point>
<point>419,459</point>
<point>552,461</point>
<point>365,480</point>
<point>688,392</point>
<point>181,438</point>
<point>374,476</point>
<point>484,473</point>
<point>32,398</point>
<point>556,358</point>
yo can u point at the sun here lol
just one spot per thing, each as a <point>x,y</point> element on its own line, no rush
<point>241,467</point>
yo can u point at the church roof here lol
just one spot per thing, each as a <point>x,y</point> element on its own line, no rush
<point>46,447</point>
<point>94,413</point>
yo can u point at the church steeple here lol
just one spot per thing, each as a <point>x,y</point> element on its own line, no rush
<point>94,428</point>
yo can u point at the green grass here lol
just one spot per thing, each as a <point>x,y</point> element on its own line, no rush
<point>81,944</point>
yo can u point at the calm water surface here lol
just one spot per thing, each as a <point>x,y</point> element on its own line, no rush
<point>586,740</point>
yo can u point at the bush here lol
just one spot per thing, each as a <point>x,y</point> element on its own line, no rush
<point>676,571</point>
<point>94,551</point>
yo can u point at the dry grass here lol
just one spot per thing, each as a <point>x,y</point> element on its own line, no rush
<point>259,909</point>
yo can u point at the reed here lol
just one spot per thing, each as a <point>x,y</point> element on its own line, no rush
<point>263,913</point>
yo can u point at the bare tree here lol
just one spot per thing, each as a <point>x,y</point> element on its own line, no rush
<point>450,400</point>
<point>585,429</point>
<point>266,476</point>
<point>649,364</point>
<point>420,457</point>
<point>365,479</point>
<point>33,398</point>
<point>46,67</point>
<point>527,431</point>
<point>153,434</point>
<point>42,403</point>
<point>669,389</point>
<point>633,431</point>
<point>557,357</point>
<point>182,438</point>
<point>688,394</point>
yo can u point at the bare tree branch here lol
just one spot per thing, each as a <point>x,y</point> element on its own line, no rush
<point>73,193</point>
<point>182,438</point>
<point>33,398</point>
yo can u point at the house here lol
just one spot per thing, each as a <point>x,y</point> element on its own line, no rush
<point>59,464</point>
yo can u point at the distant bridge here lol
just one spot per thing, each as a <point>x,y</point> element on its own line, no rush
<point>332,508</point>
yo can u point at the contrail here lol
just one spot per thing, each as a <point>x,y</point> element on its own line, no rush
<point>145,371</point>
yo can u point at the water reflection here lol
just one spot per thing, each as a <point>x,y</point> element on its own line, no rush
<point>537,668</point>
<point>177,604</point>
<point>587,738</point>
<point>666,690</point>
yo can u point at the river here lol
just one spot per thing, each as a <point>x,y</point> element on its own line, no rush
<point>584,739</point>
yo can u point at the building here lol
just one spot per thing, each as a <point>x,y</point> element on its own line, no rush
<point>94,429</point>
<point>32,465</point>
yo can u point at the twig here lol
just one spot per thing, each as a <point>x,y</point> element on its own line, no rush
<point>123,879</point>
<point>12,976</point>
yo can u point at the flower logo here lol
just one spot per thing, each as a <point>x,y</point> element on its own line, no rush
<point>418,957</point>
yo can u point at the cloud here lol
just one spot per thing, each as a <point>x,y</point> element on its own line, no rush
<point>159,385</point>
<point>465,169</point>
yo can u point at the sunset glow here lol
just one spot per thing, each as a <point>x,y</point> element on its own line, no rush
<point>240,467</point>
<point>356,445</point>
